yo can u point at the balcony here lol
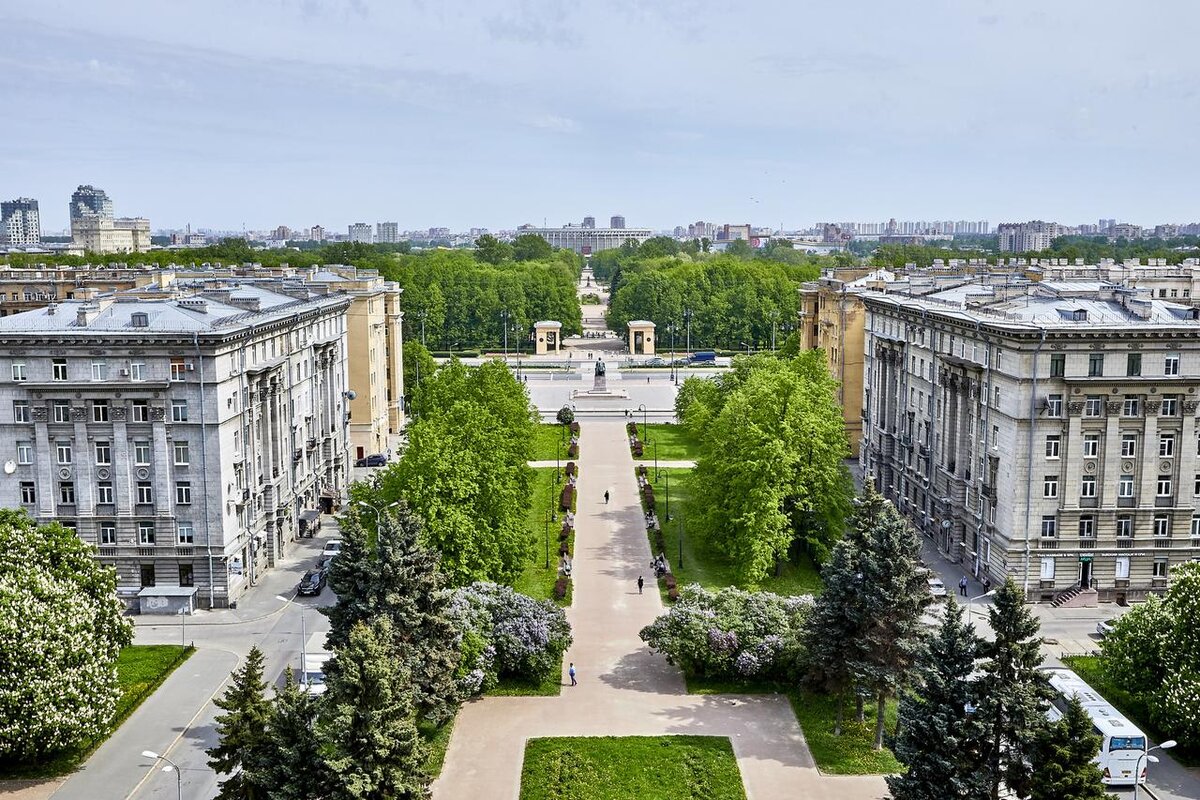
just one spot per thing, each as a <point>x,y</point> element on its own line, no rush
<point>184,551</point>
<point>1087,544</point>
<point>1049,544</point>
<point>108,552</point>
<point>1162,543</point>
<point>145,551</point>
<point>1124,543</point>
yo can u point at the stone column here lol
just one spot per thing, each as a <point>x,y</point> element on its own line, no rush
<point>121,460</point>
<point>44,457</point>
<point>1072,476</point>
<point>164,498</point>
<point>1149,459</point>
<point>85,505</point>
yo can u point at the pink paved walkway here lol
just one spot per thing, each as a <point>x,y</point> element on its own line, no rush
<point>624,689</point>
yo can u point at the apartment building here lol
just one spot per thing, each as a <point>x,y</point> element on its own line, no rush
<point>25,289</point>
<point>20,223</point>
<point>1025,237</point>
<point>360,232</point>
<point>189,438</point>
<point>1046,432</point>
<point>588,240</point>
<point>1174,282</point>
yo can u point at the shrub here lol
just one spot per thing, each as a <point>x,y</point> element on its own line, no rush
<point>572,450</point>
<point>560,588</point>
<point>637,449</point>
<point>673,594</point>
<point>575,427</point>
<point>669,581</point>
<point>570,468</point>
<point>568,494</point>
<point>641,470</point>
<point>631,428</point>
<point>731,634</point>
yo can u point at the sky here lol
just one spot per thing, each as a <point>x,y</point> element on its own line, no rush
<point>493,113</point>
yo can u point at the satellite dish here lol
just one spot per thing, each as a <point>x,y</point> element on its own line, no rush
<point>10,467</point>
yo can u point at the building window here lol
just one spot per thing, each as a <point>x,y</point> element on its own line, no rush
<point>141,453</point>
<point>237,442</point>
<point>1048,568</point>
<point>179,411</point>
<point>1171,364</point>
<point>137,371</point>
<point>1128,445</point>
<point>24,452</point>
<point>108,533</point>
<point>1166,445</point>
<point>1164,485</point>
<point>141,411</point>
<point>99,370</point>
<point>1095,365</point>
<point>1053,443</point>
<point>21,413</point>
<point>1162,525</point>
<point>1058,365</point>
<point>1093,406</point>
<point>1122,568</point>
<point>145,492</point>
<point>104,493</point>
<point>186,534</point>
<point>1054,405</point>
<point>58,369</point>
<point>103,453</point>
<point>99,411</point>
<point>66,493</point>
<point>1133,364</point>
<point>1196,486</point>
<point>63,452</point>
<point>1125,526</point>
<point>1091,445</point>
<point>1049,527</point>
<point>183,493</point>
<point>1087,486</point>
<point>1160,568</point>
<point>145,532</point>
<point>1087,527</point>
<point>28,492</point>
<point>1050,486</point>
<point>178,369</point>
<point>1132,406</point>
<point>18,371</point>
<point>1195,526</point>
<point>182,453</point>
<point>186,577</point>
<point>147,572</point>
<point>1125,486</point>
<point>62,411</point>
<point>1170,406</point>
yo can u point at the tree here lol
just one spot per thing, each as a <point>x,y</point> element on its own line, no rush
<point>1012,692</point>
<point>368,734</point>
<point>289,762</point>
<point>531,247</point>
<point>939,737</point>
<point>832,636</point>
<point>418,365</point>
<point>1133,653</point>
<point>739,247</point>
<point>565,416</point>
<point>1063,758</point>
<point>491,250</point>
<point>61,630</point>
<point>242,731</point>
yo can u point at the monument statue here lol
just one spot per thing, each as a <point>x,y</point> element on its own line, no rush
<point>600,383</point>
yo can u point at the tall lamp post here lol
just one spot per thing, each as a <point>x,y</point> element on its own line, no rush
<point>548,537</point>
<point>687,318</point>
<point>971,603</point>
<point>558,462</point>
<point>1137,773</point>
<point>682,531</point>
<point>645,430</point>
<point>747,346</point>
<point>656,460</point>
<point>674,366</point>
<point>421,315</point>
<point>171,766</point>
<point>504,324</point>
<point>774,322</point>
<point>668,479</point>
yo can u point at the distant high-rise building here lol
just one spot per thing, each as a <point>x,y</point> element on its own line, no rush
<point>95,230</point>
<point>1105,224</point>
<point>88,201</point>
<point>387,232</point>
<point>360,232</point>
<point>617,222</point>
<point>20,225</point>
<point>282,233</point>
<point>317,234</point>
<point>589,222</point>
<point>1026,237</point>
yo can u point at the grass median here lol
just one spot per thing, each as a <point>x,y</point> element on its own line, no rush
<point>673,442</point>
<point>550,440</point>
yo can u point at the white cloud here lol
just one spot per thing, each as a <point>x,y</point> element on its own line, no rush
<point>553,122</point>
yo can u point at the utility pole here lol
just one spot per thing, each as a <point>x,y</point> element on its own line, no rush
<point>504,318</point>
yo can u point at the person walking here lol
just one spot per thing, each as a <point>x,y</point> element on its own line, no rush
<point>606,497</point>
<point>640,584</point>
<point>571,672</point>
<point>962,586</point>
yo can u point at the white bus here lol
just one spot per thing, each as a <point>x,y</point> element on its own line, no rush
<point>1123,744</point>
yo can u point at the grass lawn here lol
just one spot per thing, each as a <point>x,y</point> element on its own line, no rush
<point>538,581</point>
<point>509,687</point>
<point>140,670</point>
<point>437,739</point>
<point>631,768</point>
<point>549,440</point>
<point>1133,706</point>
<point>848,754</point>
<point>705,566</point>
<point>674,442</point>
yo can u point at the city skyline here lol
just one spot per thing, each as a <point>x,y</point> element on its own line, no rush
<point>494,117</point>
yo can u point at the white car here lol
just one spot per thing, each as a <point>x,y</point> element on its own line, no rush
<point>332,548</point>
<point>1104,628</point>
<point>937,588</point>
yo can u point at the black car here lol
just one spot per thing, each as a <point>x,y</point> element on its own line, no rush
<point>312,582</point>
<point>376,460</point>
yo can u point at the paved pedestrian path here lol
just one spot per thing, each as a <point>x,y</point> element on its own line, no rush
<point>624,689</point>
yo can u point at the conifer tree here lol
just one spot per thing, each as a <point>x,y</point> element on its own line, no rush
<point>1063,759</point>
<point>939,739</point>
<point>832,634</point>
<point>242,731</point>
<point>290,762</point>
<point>367,726</point>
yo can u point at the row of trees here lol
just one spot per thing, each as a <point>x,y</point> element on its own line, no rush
<point>770,478</point>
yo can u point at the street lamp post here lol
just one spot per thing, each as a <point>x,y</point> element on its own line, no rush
<point>504,318</point>
<point>656,460</point>
<point>547,540</point>
<point>171,765</point>
<point>1137,773</point>
<point>682,531</point>
<point>668,479</point>
<point>645,430</point>
<point>971,603</point>
<point>687,318</point>
<point>747,346</point>
<point>421,315</point>
<point>557,462</point>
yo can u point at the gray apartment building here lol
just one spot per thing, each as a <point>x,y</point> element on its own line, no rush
<point>189,439</point>
<point>1046,432</point>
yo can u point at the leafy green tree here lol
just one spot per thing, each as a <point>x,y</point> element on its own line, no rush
<point>61,630</point>
<point>565,416</point>
<point>242,730</point>
<point>740,248</point>
<point>289,763</point>
<point>833,640</point>
<point>1063,759</point>
<point>695,403</point>
<point>491,250</point>
<point>531,247</point>
<point>1134,653</point>
<point>1012,692</point>
<point>939,739</point>
<point>418,365</point>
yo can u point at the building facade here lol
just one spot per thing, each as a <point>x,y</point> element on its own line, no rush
<point>20,223</point>
<point>1050,437</point>
<point>90,201</point>
<point>108,235</point>
<point>360,232</point>
<point>1026,237</point>
<point>185,437</point>
<point>387,232</point>
<point>588,240</point>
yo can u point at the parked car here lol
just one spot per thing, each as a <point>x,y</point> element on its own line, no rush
<point>656,362</point>
<point>1104,628</point>
<point>332,548</point>
<point>937,588</point>
<point>374,460</point>
<point>323,563</point>
<point>312,583</point>
<point>682,362</point>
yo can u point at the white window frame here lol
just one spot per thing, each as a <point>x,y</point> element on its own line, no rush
<point>104,493</point>
<point>24,452</point>
<point>1124,526</point>
<point>137,371</point>
<point>183,493</point>
<point>145,493</point>
<point>185,533</point>
<point>1125,486</point>
<point>1053,447</point>
<point>1091,445</point>
<point>18,371</point>
<point>1050,487</point>
<point>140,446</point>
<point>1162,525</point>
<point>1171,364</point>
<point>108,533</point>
<point>182,447</point>
<point>58,369</point>
<point>103,451</point>
<point>1129,445</point>
<point>1166,445</point>
<point>99,370</point>
<point>179,411</point>
<point>146,533</point>
<point>64,452</point>
<point>1087,486</point>
<point>1164,486</point>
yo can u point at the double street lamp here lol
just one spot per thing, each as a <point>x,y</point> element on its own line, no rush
<point>171,766</point>
<point>1137,773</point>
<point>971,602</point>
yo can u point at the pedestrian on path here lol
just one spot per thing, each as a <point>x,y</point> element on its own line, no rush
<point>571,672</point>
<point>606,497</point>
<point>962,586</point>
<point>640,583</point>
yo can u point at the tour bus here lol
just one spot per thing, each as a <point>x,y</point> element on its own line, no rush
<point>312,665</point>
<point>1123,744</point>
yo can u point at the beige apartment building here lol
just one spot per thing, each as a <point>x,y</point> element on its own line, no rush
<point>99,234</point>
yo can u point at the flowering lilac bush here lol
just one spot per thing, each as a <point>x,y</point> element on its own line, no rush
<point>506,634</point>
<point>731,633</point>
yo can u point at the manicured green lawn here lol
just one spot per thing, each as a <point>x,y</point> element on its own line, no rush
<point>631,768</point>
<point>508,687</point>
<point>848,754</point>
<point>538,581</point>
<point>548,441</point>
<point>141,668</point>
<point>704,565</point>
<point>437,739</point>
<point>674,442</point>
<point>1091,669</point>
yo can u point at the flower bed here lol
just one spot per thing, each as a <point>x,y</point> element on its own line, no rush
<point>567,497</point>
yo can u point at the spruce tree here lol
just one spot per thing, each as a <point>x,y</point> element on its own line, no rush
<point>367,725</point>
<point>1013,693</point>
<point>242,731</point>
<point>939,739</point>
<point>353,577</point>
<point>290,762</point>
<point>1063,759</point>
<point>832,633</point>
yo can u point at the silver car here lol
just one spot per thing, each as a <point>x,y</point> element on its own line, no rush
<point>937,588</point>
